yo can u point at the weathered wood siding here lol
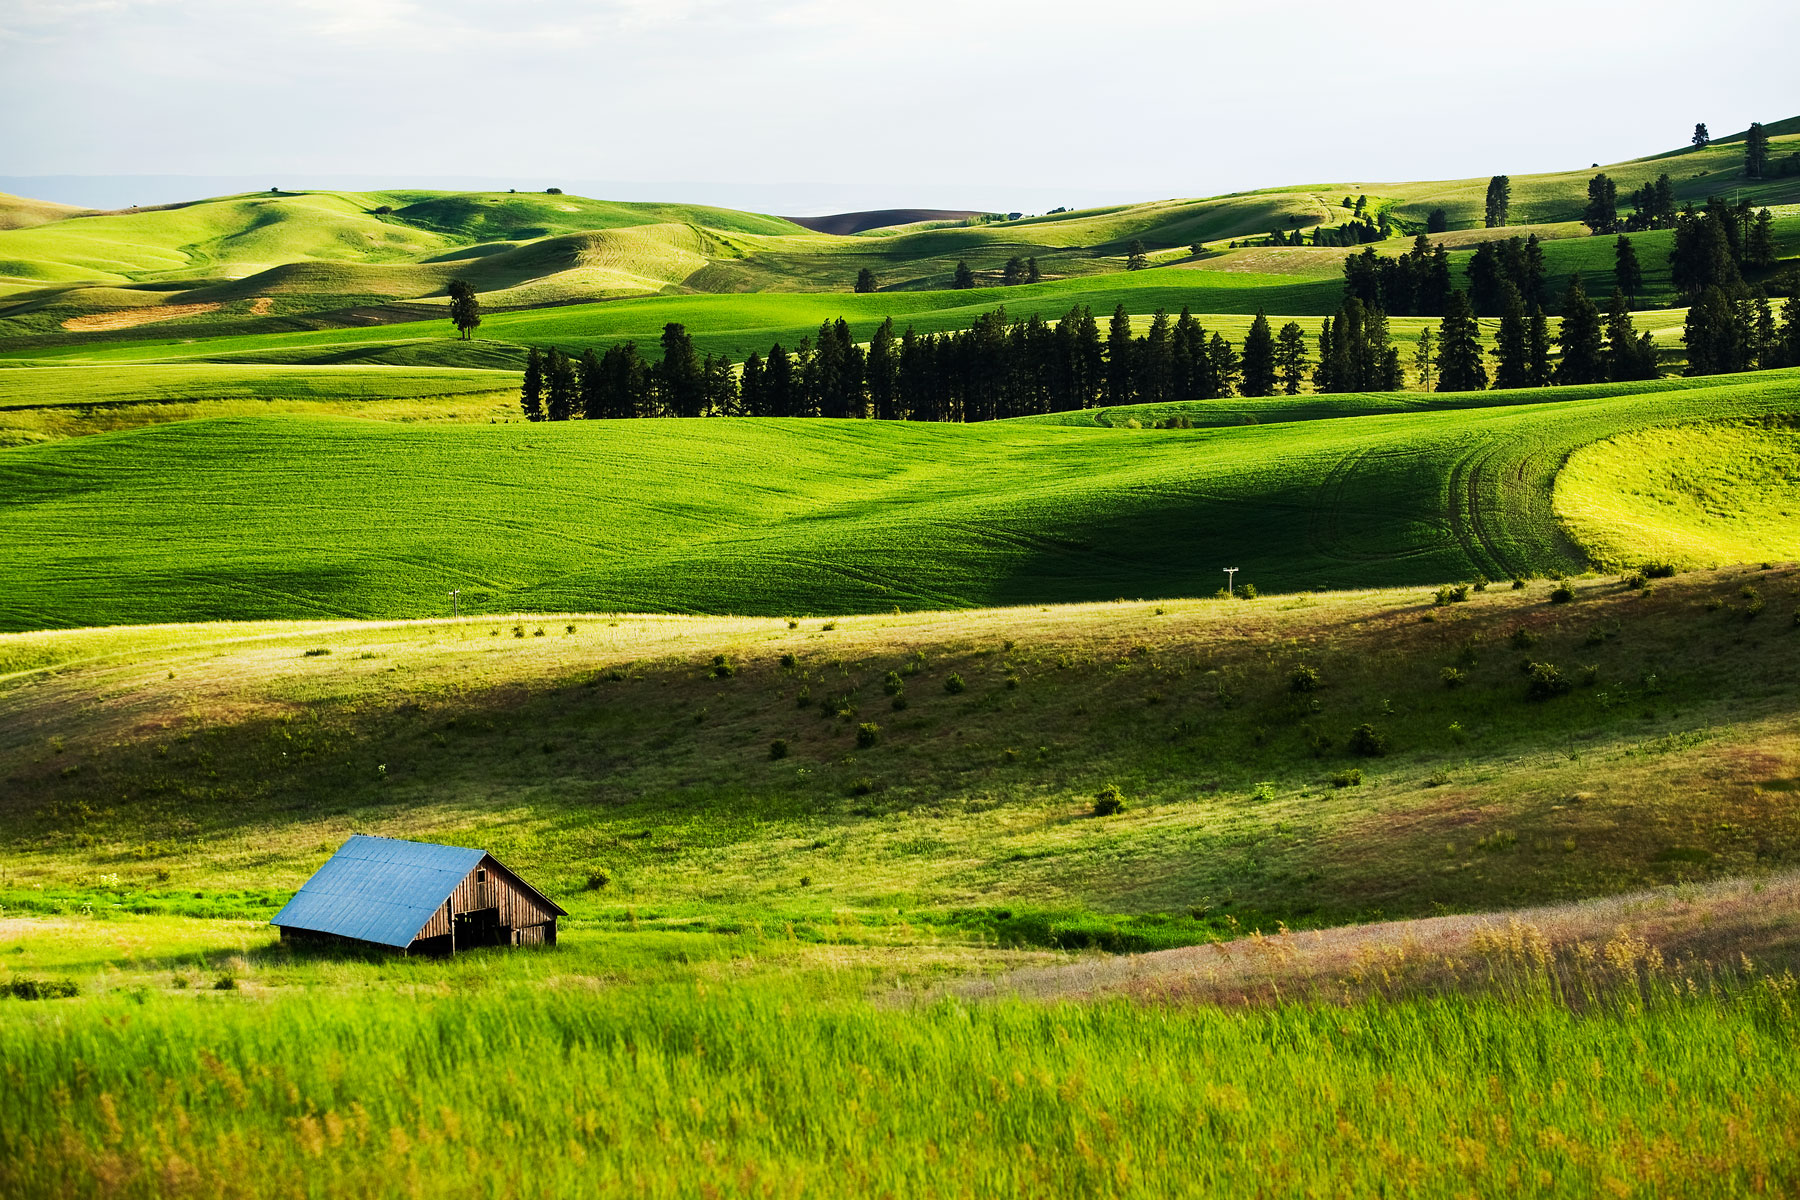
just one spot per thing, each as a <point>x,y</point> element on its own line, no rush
<point>501,890</point>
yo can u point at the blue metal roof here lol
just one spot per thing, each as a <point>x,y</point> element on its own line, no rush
<point>377,889</point>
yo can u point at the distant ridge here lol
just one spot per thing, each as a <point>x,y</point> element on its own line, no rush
<point>880,218</point>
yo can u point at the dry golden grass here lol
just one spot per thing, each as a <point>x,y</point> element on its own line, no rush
<point>127,318</point>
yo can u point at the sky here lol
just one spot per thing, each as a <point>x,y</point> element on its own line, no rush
<point>804,106</point>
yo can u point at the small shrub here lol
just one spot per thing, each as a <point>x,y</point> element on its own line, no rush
<point>225,983</point>
<point>1590,675</point>
<point>1012,683</point>
<point>1109,801</point>
<point>862,786</point>
<point>1347,779</point>
<point>1368,741</point>
<point>778,749</point>
<point>1754,608</point>
<point>893,685</point>
<point>1518,585</point>
<point>597,880</point>
<point>1452,677</point>
<point>793,624</point>
<point>316,653</point>
<point>1522,639</point>
<point>538,632</point>
<point>722,668</point>
<point>1263,792</point>
<point>804,697</point>
<point>867,734</point>
<point>955,686</point>
<point>1562,593</point>
<point>828,626</point>
<point>1481,585</point>
<point>789,661</point>
<point>1544,681</point>
<point>1659,570</point>
<point>1303,679</point>
<point>1714,604</point>
<point>899,702</point>
<point>1458,734</point>
<point>1248,591</point>
<point>1636,581</point>
<point>568,629</point>
<point>806,881</point>
<point>1451,595</point>
<point>1437,779</point>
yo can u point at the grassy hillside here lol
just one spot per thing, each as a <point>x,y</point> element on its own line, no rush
<point>290,517</point>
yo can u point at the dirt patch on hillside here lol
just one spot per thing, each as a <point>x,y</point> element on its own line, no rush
<point>261,306</point>
<point>126,318</point>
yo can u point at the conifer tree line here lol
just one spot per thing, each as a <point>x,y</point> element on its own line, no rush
<point>997,368</point>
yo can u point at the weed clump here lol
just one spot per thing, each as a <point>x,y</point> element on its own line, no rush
<point>315,653</point>
<point>1368,741</point>
<point>1518,585</point>
<point>893,685</point>
<point>1109,801</point>
<point>955,686</point>
<point>225,983</point>
<point>1754,604</point>
<point>1451,595</point>
<point>1248,592</point>
<point>1347,779</point>
<point>722,667</point>
<point>1659,570</point>
<point>596,881</point>
<point>1303,679</point>
<point>862,786</point>
<point>803,698</point>
<point>1562,593</point>
<point>1522,639</point>
<point>1452,677</point>
<point>778,749</point>
<point>789,661</point>
<point>1636,581</point>
<point>1544,680</point>
<point>867,734</point>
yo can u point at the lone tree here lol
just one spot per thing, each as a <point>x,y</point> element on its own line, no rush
<point>1701,137</point>
<point>1136,257</point>
<point>865,280</point>
<point>465,309</point>
<point>1437,221</point>
<point>965,278</point>
<point>1499,200</point>
<point>1756,150</point>
<point>1014,272</point>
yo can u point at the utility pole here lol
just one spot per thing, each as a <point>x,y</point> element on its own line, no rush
<point>456,603</point>
<point>1230,580</point>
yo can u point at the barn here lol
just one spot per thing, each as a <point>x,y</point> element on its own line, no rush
<point>417,898</point>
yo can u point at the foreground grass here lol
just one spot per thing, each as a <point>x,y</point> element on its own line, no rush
<point>735,1081</point>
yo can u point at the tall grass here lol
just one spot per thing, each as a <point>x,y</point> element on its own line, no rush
<point>798,1087</point>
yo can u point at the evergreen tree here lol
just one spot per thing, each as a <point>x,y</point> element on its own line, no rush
<point>1362,202</point>
<point>1136,257</point>
<point>1032,274</point>
<point>593,386</point>
<point>561,390</point>
<point>1765,343</point>
<point>1156,361</point>
<point>678,378</point>
<point>1716,341</point>
<point>627,382</point>
<point>1223,361</point>
<point>1537,349</point>
<point>1790,332</point>
<point>1014,272</point>
<point>865,280</point>
<point>1290,357</point>
<point>753,399</point>
<point>1602,213</point>
<point>1511,350</point>
<point>720,386</point>
<point>1701,137</point>
<point>1120,352</point>
<point>1583,359</point>
<point>1259,358</point>
<point>531,391</point>
<point>965,278</point>
<point>1702,256</point>
<point>1628,356</point>
<point>465,309</point>
<point>883,371</point>
<point>1759,243</point>
<point>1499,201</point>
<point>1325,374</point>
<point>778,383</point>
<point>1437,221</point>
<point>1627,274</point>
<point>1423,359</point>
<point>1535,275</point>
<point>1090,359</point>
<point>1756,150</point>
<point>1460,368</point>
